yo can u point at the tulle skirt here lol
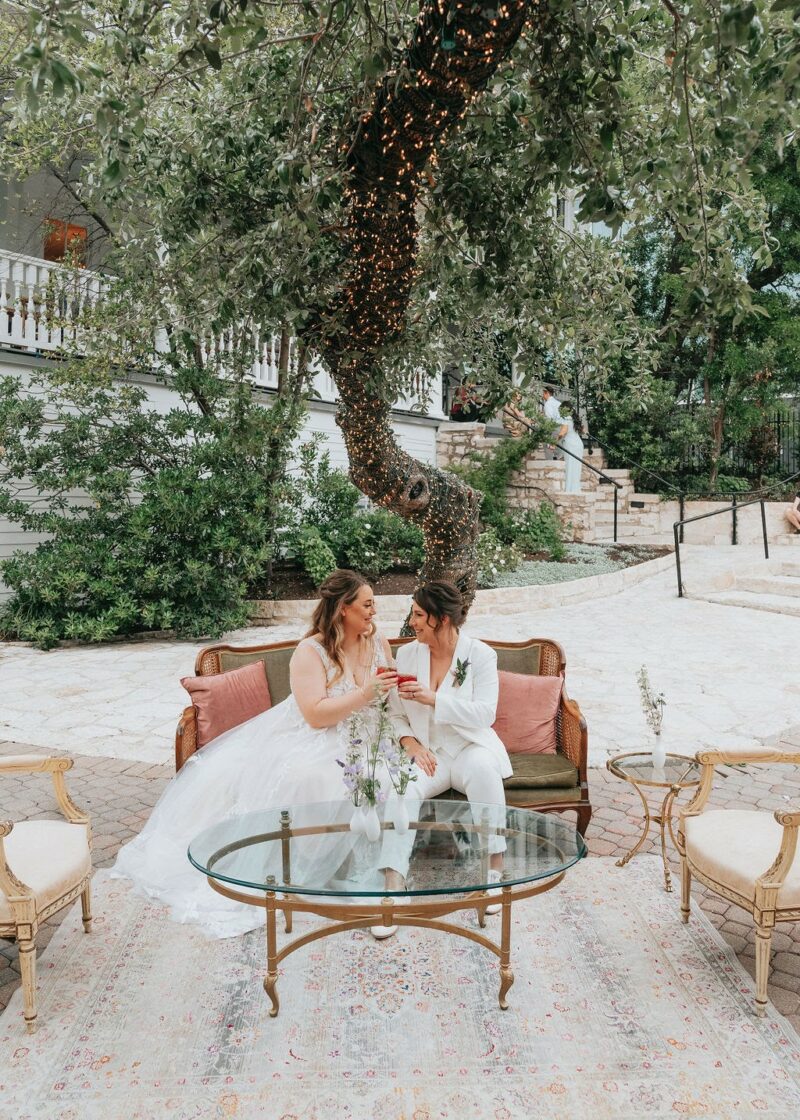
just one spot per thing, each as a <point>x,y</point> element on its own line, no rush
<point>275,760</point>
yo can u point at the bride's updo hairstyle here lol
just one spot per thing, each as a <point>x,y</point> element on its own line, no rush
<point>339,590</point>
<point>440,600</point>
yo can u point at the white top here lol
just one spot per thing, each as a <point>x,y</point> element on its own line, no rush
<point>551,409</point>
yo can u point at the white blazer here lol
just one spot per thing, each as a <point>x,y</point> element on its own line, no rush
<point>469,708</point>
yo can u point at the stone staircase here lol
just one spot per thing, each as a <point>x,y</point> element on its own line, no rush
<point>588,515</point>
<point>773,585</point>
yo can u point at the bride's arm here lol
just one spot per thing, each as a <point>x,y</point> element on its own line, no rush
<point>309,688</point>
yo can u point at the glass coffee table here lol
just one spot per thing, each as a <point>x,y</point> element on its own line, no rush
<point>679,772</point>
<point>305,859</point>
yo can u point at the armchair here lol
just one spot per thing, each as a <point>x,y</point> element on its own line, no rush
<point>44,866</point>
<point>744,855</point>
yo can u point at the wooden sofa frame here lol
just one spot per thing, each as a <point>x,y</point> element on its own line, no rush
<point>571,730</point>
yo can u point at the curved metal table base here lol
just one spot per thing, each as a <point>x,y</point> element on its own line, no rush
<point>387,911</point>
<point>664,821</point>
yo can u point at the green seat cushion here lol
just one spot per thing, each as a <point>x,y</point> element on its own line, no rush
<point>542,771</point>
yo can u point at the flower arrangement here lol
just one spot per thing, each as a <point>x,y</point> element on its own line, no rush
<point>370,742</point>
<point>652,702</point>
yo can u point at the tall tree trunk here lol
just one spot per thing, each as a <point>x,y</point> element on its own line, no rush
<point>417,102</point>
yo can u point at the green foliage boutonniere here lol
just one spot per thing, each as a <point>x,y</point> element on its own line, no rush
<point>460,672</point>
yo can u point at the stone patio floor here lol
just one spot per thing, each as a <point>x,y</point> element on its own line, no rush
<point>119,795</point>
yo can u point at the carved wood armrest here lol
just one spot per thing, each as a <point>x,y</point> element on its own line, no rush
<point>10,885</point>
<point>768,884</point>
<point>737,755</point>
<point>54,764</point>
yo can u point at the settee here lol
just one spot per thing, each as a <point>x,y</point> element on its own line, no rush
<point>547,782</point>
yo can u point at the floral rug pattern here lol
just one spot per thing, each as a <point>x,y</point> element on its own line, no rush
<point>617,1010</point>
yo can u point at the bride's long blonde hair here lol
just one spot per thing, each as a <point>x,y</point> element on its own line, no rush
<point>339,590</point>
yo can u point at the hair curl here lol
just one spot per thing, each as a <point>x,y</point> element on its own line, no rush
<point>339,590</point>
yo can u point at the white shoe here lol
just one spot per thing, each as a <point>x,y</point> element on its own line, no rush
<point>494,907</point>
<point>380,933</point>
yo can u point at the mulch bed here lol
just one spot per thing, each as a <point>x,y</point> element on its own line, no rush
<point>291,583</point>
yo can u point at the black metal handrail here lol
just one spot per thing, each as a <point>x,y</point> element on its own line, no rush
<point>518,419</point>
<point>714,513</point>
<point>632,463</point>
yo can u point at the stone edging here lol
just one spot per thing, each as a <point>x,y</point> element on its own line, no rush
<point>493,601</point>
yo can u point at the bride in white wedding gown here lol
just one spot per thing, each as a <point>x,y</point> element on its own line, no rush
<point>285,756</point>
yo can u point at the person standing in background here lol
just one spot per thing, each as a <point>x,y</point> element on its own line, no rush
<point>551,407</point>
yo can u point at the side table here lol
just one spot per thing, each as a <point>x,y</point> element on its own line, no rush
<point>679,772</point>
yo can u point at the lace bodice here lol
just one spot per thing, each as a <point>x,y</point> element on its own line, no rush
<point>338,686</point>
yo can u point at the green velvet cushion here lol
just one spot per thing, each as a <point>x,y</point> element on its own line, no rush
<point>542,771</point>
<point>547,777</point>
<point>276,663</point>
<point>520,660</point>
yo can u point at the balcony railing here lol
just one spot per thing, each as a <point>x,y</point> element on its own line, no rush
<point>43,306</point>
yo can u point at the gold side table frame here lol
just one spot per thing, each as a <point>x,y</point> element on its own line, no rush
<point>664,817</point>
<point>389,910</point>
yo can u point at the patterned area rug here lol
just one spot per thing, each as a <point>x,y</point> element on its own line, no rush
<point>618,1010</point>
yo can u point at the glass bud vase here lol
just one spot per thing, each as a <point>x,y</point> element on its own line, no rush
<point>358,821</point>
<point>400,814</point>
<point>659,752</point>
<point>372,824</point>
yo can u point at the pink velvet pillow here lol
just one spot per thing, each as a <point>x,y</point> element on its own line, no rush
<point>227,699</point>
<point>526,712</point>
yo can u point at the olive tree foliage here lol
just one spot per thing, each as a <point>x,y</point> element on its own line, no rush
<point>380,178</point>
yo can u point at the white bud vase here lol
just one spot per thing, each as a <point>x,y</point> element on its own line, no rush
<point>659,752</point>
<point>400,814</point>
<point>372,824</point>
<point>358,821</point>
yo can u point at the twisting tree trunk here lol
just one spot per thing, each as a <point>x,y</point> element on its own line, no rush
<point>414,106</point>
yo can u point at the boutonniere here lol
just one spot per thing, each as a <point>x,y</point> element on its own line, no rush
<point>460,672</point>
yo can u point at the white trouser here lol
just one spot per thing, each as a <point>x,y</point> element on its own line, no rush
<point>473,772</point>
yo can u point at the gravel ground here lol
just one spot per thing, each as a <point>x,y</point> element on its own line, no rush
<point>581,560</point>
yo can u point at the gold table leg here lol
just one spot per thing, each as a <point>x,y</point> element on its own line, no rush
<point>638,845</point>
<point>506,975</point>
<point>271,979</point>
<point>664,822</point>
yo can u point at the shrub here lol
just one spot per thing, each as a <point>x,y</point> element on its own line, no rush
<point>330,525</point>
<point>495,557</point>
<point>174,522</point>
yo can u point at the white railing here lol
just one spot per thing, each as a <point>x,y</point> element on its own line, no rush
<point>43,306</point>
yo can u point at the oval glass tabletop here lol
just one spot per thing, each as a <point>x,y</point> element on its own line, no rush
<point>310,849</point>
<point>678,769</point>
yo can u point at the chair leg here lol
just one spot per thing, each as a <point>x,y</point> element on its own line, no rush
<point>686,890</point>
<point>86,908</point>
<point>584,816</point>
<point>763,944</point>
<point>27,967</point>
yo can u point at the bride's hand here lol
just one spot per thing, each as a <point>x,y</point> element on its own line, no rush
<point>380,684</point>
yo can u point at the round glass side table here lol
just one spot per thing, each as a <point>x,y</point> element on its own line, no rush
<point>679,772</point>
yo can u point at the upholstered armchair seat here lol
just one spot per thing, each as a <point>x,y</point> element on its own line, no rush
<point>49,857</point>
<point>746,856</point>
<point>44,866</point>
<point>736,846</point>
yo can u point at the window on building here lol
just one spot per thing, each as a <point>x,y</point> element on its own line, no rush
<point>64,241</point>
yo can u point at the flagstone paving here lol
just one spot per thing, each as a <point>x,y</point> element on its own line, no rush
<point>119,795</point>
<point>729,674</point>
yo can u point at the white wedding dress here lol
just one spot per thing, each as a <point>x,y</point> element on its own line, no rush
<point>275,760</point>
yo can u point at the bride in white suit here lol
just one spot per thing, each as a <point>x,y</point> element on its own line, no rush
<point>444,717</point>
